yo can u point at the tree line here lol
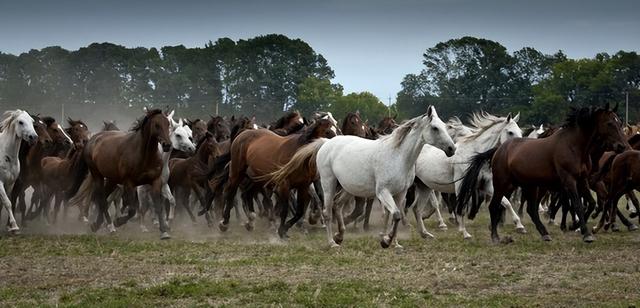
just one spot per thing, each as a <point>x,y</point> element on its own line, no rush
<point>266,75</point>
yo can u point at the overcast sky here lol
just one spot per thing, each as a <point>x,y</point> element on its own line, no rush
<point>371,44</point>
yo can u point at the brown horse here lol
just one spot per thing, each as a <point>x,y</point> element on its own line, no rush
<point>623,178</point>
<point>387,125</point>
<point>198,128</point>
<point>127,158</point>
<point>353,125</point>
<point>255,154</point>
<point>44,142</point>
<point>560,162</point>
<point>288,124</point>
<point>219,128</point>
<point>190,174</point>
<point>77,131</point>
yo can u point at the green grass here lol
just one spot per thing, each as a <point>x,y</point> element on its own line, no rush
<point>200,267</point>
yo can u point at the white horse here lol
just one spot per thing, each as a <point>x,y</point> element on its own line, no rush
<point>457,130</point>
<point>442,173</point>
<point>181,140</point>
<point>537,131</point>
<point>382,168</point>
<point>17,125</point>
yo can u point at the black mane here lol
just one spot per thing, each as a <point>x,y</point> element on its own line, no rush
<point>285,119</point>
<point>140,122</point>
<point>48,121</point>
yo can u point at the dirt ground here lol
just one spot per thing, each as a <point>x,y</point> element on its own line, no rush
<point>67,265</point>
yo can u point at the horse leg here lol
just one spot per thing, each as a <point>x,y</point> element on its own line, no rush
<point>6,203</point>
<point>531,195</point>
<point>156,196</point>
<point>421,195</point>
<point>301,205</point>
<point>329,190</point>
<point>144,198</point>
<point>516,219</point>
<point>247,205</point>
<point>554,206</point>
<point>358,209</point>
<point>576,204</point>
<point>229,202</point>
<point>166,193</point>
<point>389,203</point>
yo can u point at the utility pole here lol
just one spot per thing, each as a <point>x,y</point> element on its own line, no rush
<point>626,108</point>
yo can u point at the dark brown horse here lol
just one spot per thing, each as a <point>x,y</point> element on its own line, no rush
<point>57,177</point>
<point>560,162</point>
<point>219,128</point>
<point>190,175</point>
<point>623,178</point>
<point>387,125</point>
<point>288,124</point>
<point>353,125</point>
<point>198,128</point>
<point>255,154</point>
<point>109,126</point>
<point>77,131</point>
<point>127,158</point>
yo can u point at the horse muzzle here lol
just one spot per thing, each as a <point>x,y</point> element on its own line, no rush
<point>31,139</point>
<point>450,151</point>
<point>166,147</point>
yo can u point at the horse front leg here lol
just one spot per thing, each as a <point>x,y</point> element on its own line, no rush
<point>389,203</point>
<point>158,205</point>
<point>6,203</point>
<point>516,219</point>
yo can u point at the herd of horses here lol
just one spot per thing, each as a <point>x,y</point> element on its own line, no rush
<point>317,168</point>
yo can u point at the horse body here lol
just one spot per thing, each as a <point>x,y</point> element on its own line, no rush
<point>109,158</point>
<point>383,168</point>
<point>442,173</point>
<point>16,126</point>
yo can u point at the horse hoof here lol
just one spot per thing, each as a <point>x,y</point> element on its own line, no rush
<point>521,230</point>
<point>615,228</point>
<point>467,236</point>
<point>223,227</point>
<point>165,236</point>
<point>334,245</point>
<point>426,235</point>
<point>546,238</point>
<point>313,220</point>
<point>14,231</point>
<point>588,238</point>
<point>385,242</point>
<point>248,226</point>
<point>633,215</point>
<point>443,226</point>
<point>85,219</point>
<point>111,228</point>
<point>495,240</point>
<point>338,238</point>
<point>632,227</point>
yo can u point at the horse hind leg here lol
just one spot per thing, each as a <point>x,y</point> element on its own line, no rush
<point>6,203</point>
<point>329,185</point>
<point>516,219</point>
<point>418,206</point>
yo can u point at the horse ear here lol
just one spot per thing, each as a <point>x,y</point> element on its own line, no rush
<point>233,118</point>
<point>180,122</point>
<point>170,115</point>
<point>541,126</point>
<point>606,106</point>
<point>509,117</point>
<point>517,117</point>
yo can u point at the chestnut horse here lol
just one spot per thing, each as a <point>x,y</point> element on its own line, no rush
<point>560,162</point>
<point>255,154</point>
<point>127,158</point>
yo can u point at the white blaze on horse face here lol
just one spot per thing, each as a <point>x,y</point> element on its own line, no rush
<point>255,126</point>
<point>64,133</point>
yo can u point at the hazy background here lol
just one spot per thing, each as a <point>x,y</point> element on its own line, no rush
<point>371,45</point>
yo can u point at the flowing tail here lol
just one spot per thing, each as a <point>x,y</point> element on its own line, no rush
<point>304,161</point>
<point>469,185</point>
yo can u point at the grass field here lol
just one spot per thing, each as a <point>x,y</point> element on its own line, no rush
<point>201,267</point>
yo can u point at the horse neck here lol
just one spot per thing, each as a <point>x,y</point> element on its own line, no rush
<point>487,140</point>
<point>10,144</point>
<point>410,148</point>
<point>148,144</point>
<point>583,141</point>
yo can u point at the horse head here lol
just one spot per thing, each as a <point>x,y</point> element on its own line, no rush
<point>19,123</point>
<point>434,132</point>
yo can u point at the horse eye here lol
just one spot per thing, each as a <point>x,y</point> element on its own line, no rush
<point>20,122</point>
<point>510,133</point>
<point>191,139</point>
<point>179,137</point>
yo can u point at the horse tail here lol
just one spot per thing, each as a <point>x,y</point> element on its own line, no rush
<point>78,173</point>
<point>304,160</point>
<point>82,197</point>
<point>469,183</point>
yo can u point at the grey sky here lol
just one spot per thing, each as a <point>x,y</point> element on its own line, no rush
<point>371,45</point>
